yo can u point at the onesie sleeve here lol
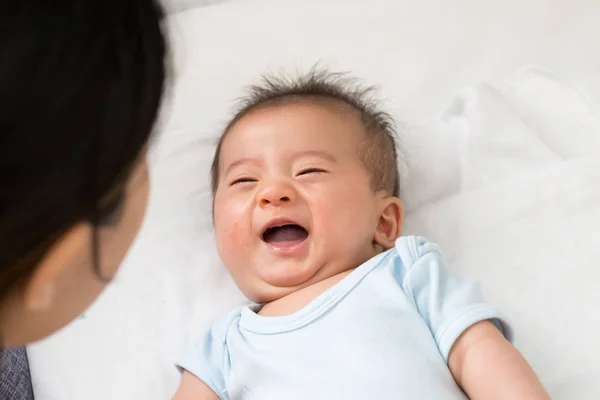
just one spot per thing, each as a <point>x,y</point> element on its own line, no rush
<point>208,358</point>
<point>447,302</point>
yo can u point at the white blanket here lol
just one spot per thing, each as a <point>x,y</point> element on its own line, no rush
<point>524,218</point>
<point>505,178</point>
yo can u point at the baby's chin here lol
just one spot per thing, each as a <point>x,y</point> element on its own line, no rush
<point>265,289</point>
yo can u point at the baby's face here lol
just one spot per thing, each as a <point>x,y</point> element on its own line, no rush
<point>294,203</point>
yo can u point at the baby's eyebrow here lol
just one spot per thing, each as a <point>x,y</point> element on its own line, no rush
<point>315,153</point>
<point>241,161</point>
<point>304,153</point>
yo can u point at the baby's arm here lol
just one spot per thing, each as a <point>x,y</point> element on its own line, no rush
<point>487,366</point>
<point>192,388</point>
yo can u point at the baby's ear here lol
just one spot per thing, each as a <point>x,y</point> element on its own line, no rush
<point>389,225</point>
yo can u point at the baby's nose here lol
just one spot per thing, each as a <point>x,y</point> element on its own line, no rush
<point>276,195</point>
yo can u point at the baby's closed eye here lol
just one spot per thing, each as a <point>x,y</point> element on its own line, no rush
<point>308,171</point>
<point>242,180</point>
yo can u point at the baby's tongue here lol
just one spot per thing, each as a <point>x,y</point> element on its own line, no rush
<point>286,235</point>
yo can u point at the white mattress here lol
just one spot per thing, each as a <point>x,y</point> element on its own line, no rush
<point>503,171</point>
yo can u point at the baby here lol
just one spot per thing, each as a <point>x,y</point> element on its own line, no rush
<point>308,222</point>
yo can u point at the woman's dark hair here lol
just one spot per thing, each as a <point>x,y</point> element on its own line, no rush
<point>80,88</point>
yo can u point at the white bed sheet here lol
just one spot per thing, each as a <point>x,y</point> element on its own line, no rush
<point>505,177</point>
<point>525,220</point>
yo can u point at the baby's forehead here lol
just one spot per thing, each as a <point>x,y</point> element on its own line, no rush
<point>299,123</point>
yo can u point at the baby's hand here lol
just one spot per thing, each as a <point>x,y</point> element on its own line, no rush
<point>486,366</point>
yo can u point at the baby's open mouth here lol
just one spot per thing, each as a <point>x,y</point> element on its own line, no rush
<point>285,235</point>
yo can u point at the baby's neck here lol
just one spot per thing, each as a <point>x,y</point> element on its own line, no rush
<point>299,299</point>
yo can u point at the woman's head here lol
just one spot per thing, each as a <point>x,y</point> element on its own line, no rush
<point>80,87</point>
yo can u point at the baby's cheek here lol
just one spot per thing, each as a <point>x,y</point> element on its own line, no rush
<point>228,238</point>
<point>354,219</point>
<point>237,247</point>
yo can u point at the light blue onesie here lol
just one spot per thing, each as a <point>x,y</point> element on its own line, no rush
<point>383,332</point>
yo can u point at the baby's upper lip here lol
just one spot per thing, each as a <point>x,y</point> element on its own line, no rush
<point>280,221</point>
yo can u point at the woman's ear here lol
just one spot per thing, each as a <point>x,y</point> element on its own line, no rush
<point>39,289</point>
<point>389,224</point>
